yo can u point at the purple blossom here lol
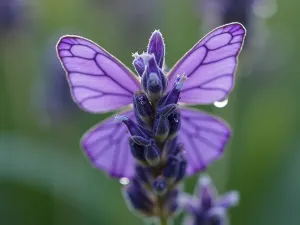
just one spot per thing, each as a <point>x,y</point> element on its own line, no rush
<point>100,83</point>
<point>206,207</point>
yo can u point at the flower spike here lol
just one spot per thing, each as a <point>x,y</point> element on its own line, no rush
<point>166,141</point>
<point>156,46</point>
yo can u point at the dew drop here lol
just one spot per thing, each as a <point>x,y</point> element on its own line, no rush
<point>221,104</point>
<point>124,181</point>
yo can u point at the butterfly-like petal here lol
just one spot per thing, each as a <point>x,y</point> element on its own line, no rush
<point>106,145</point>
<point>98,81</point>
<point>210,65</point>
<point>204,138</point>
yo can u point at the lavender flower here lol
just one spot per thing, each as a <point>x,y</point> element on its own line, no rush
<point>206,207</point>
<point>166,141</point>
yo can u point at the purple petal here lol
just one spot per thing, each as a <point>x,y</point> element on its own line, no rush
<point>106,145</point>
<point>217,215</point>
<point>138,64</point>
<point>98,81</point>
<point>204,138</point>
<point>210,65</point>
<point>229,199</point>
<point>157,47</point>
<point>188,203</point>
<point>206,191</point>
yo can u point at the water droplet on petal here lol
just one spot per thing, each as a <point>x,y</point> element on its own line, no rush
<point>221,104</point>
<point>124,181</point>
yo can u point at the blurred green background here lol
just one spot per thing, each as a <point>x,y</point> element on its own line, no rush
<point>45,178</point>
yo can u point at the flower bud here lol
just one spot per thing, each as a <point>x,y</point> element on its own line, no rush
<point>138,64</point>
<point>153,154</point>
<point>143,174</point>
<point>134,128</point>
<point>143,107</point>
<point>182,167</point>
<point>206,207</point>
<point>206,191</point>
<point>171,148</point>
<point>138,152</point>
<point>138,198</point>
<point>175,167</point>
<point>161,127</point>
<point>160,186</point>
<point>228,200</point>
<point>171,203</point>
<point>171,169</point>
<point>154,81</point>
<point>217,216</point>
<point>156,46</point>
<point>140,141</point>
<point>175,123</point>
<point>172,97</point>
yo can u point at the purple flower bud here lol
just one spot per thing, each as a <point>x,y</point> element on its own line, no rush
<point>172,97</point>
<point>143,174</point>
<point>138,152</point>
<point>171,168</point>
<point>143,107</point>
<point>141,141</point>
<point>154,82</point>
<point>153,154</point>
<point>182,167</point>
<point>138,198</point>
<point>134,128</point>
<point>206,192</point>
<point>206,208</point>
<point>171,202</point>
<point>174,122</point>
<point>160,186</point>
<point>140,122</point>
<point>228,200</point>
<point>217,216</point>
<point>167,110</point>
<point>172,148</point>
<point>176,163</point>
<point>138,64</point>
<point>161,127</point>
<point>156,46</point>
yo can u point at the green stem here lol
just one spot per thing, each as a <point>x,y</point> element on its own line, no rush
<point>165,221</point>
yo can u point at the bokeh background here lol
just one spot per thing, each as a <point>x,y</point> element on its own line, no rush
<point>44,176</point>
